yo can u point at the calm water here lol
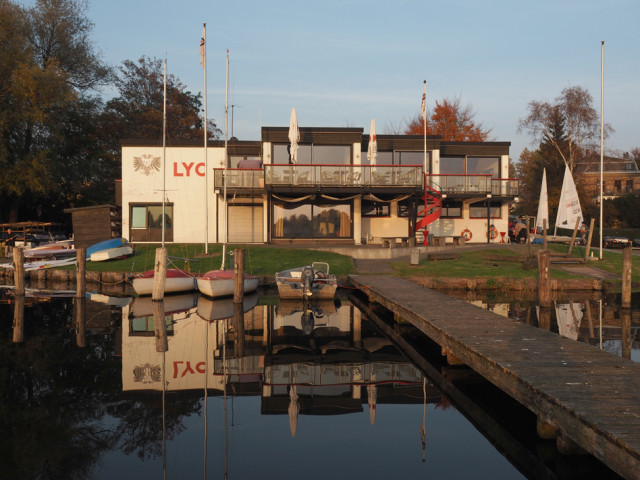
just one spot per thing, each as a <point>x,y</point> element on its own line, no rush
<point>319,393</point>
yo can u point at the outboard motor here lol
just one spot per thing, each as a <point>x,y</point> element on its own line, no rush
<point>307,280</point>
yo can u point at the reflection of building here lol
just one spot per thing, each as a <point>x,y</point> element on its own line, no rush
<point>327,354</point>
<point>332,195</point>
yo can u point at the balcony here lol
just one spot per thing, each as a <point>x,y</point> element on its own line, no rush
<point>459,185</point>
<point>356,178</point>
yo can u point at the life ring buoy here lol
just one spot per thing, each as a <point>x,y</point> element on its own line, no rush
<point>494,232</point>
<point>466,233</point>
<point>583,229</point>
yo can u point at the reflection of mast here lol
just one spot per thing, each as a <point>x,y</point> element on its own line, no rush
<point>164,430</point>
<point>206,378</point>
<point>224,386</point>
<point>423,433</point>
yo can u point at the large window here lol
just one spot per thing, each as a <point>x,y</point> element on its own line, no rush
<point>470,166</point>
<point>453,209</point>
<point>399,157</point>
<point>375,209</point>
<point>479,210</point>
<point>313,154</point>
<point>146,222</point>
<point>320,220</point>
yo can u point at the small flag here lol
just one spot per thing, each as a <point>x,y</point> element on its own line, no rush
<point>203,50</point>
<point>424,102</point>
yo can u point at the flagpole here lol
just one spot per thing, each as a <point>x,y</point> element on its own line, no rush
<point>224,177</point>
<point>424,123</point>
<point>164,150</point>
<point>601,139</point>
<point>203,59</point>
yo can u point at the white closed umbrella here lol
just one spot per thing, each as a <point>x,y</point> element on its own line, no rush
<point>294,135</point>
<point>372,152</point>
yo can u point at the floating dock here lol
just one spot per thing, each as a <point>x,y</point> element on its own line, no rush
<point>589,396</point>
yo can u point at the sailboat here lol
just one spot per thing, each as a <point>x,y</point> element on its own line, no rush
<point>176,280</point>
<point>220,283</point>
<point>569,210</point>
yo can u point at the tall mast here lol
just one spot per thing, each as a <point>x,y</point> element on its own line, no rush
<point>226,161</point>
<point>164,149</point>
<point>206,166</point>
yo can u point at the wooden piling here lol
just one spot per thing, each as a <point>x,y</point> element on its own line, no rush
<point>626,333</point>
<point>589,237</point>
<point>159,325</point>
<point>81,272</point>
<point>626,278</point>
<point>544,232</point>
<point>544,278</point>
<point>18,319</point>
<point>18,270</point>
<point>238,276</point>
<point>79,312</point>
<point>159,274</point>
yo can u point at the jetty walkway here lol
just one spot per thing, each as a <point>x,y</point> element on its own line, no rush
<point>589,396</point>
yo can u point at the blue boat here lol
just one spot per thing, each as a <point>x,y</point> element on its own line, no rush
<point>106,244</point>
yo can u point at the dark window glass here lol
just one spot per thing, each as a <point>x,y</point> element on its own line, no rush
<point>375,209</point>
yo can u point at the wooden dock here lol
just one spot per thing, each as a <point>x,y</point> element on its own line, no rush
<point>590,396</point>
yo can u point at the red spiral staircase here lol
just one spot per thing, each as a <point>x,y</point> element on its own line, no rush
<point>432,210</point>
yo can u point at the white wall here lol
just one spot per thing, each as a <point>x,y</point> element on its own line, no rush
<point>184,187</point>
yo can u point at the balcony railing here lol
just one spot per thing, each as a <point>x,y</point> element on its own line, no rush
<point>344,175</point>
<point>302,175</point>
<point>239,178</point>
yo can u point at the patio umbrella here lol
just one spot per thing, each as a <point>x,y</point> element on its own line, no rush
<point>294,135</point>
<point>293,410</point>
<point>372,152</point>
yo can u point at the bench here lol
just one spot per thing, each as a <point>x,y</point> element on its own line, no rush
<point>442,241</point>
<point>390,242</point>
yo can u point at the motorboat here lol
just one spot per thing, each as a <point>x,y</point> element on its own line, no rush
<point>220,283</point>
<point>311,281</point>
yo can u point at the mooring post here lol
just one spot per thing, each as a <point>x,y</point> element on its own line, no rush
<point>626,278</point>
<point>238,327</point>
<point>238,276</point>
<point>589,237</point>
<point>18,270</point>
<point>573,237</point>
<point>159,325</point>
<point>18,319</point>
<point>544,278</point>
<point>81,272</point>
<point>544,232</point>
<point>626,333</point>
<point>159,274</point>
<point>79,311</point>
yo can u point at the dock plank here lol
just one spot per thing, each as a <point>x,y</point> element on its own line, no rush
<point>590,395</point>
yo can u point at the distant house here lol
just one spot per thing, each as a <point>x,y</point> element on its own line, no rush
<point>621,176</point>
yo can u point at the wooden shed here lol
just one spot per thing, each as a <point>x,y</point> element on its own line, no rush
<point>94,224</point>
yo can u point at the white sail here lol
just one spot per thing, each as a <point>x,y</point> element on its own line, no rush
<point>569,206</point>
<point>543,205</point>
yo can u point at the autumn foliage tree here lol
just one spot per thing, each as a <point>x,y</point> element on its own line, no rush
<point>451,121</point>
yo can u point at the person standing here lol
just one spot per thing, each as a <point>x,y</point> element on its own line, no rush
<point>10,242</point>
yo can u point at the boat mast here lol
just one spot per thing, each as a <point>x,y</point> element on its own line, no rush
<point>226,161</point>
<point>164,150</point>
<point>206,167</point>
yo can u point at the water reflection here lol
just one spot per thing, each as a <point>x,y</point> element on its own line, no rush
<point>106,379</point>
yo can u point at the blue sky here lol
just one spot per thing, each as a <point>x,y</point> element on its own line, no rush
<point>342,62</point>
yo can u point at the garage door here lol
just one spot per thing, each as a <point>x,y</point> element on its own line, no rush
<point>245,224</point>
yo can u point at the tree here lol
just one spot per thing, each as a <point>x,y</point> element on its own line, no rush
<point>137,111</point>
<point>573,108</point>
<point>47,64</point>
<point>451,121</point>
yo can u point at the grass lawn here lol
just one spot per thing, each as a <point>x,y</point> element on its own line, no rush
<point>509,263</point>
<point>267,260</point>
<point>259,259</point>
